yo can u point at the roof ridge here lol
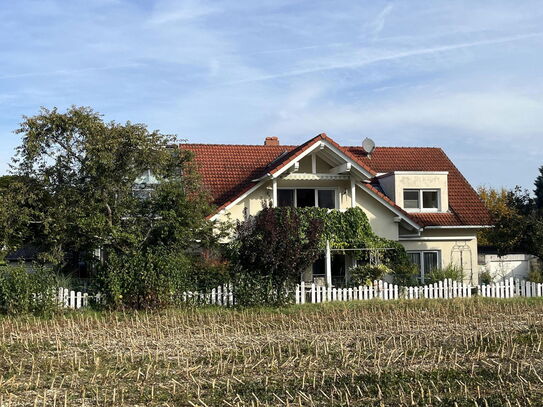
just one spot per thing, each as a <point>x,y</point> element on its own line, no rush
<point>399,147</point>
<point>235,145</point>
<point>298,145</point>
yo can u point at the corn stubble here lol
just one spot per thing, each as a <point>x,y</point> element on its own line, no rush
<point>453,353</point>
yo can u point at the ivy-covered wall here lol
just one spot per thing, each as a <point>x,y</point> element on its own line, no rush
<point>350,229</point>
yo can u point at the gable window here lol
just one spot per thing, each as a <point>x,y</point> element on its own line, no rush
<point>421,199</point>
<point>307,197</point>
<point>144,185</point>
<point>426,262</point>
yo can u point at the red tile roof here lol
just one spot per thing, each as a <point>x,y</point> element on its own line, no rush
<point>228,171</point>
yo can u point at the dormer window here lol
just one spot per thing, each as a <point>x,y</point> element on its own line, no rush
<point>421,199</point>
<point>144,185</point>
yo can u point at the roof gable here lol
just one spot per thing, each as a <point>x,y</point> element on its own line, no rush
<point>321,139</point>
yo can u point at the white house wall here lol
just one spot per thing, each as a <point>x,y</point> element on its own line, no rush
<point>450,242</point>
<point>511,265</point>
<point>381,218</point>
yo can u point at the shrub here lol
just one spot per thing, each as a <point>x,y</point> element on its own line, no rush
<point>451,271</point>
<point>251,289</point>
<point>535,276</point>
<point>367,273</point>
<point>485,277</point>
<point>23,290</point>
<point>207,272</point>
<point>144,280</point>
<point>405,274</point>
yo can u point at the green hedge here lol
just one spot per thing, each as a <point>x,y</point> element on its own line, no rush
<point>27,290</point>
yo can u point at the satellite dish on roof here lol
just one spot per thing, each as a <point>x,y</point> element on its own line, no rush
<point>368,145</point>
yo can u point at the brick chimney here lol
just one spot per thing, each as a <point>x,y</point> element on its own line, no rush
<point>271,141</point>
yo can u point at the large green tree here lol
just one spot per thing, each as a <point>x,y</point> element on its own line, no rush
<point>518,224</point>
<point>84,170</point>
<point>496,201</point>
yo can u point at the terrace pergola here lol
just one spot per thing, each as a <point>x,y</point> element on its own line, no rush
<point>375,256</point>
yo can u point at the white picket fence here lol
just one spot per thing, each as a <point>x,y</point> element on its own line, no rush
<point>511,287</point>
<point>222,295</point>
<point>73,299</point>
<point>312,293</point>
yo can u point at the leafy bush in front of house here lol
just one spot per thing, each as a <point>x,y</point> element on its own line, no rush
<point>27,291</point>
<point>254,289</point>
<point>451,271</point>
<point>535,276</point>
<point>208,270</point>
<point>270,251</point>
<point>153,278</point>
<point>367,273</point>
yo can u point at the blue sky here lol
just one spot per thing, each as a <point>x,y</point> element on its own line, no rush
<point>466,76</point>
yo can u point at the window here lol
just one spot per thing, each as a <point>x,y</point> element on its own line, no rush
<point>144,185</point>
<point>429,200</point>
<point>421,199</point>
<point>307,197</point>
<point>285,197</point>
<point>411,199</point>
<point>426,261</point>
<point>327,198</point>
<point>319,267</point>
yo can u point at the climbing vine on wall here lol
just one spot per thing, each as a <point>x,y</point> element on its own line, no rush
<point>351,229</point>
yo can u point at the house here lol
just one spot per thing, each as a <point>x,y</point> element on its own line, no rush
<point>412,195</point>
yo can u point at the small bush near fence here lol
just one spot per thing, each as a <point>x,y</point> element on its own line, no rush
<point>365,274</point>
<point>24,291</point>
<point>451,271</point>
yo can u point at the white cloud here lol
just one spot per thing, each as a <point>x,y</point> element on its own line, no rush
<point>361,58</point>
<point>379,22</point>
<point>175,11</point>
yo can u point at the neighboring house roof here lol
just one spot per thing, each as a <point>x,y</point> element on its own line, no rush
<point>228,171</point>
<point>25,253</point>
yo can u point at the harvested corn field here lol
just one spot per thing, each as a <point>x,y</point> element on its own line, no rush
<point>429,352</point>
